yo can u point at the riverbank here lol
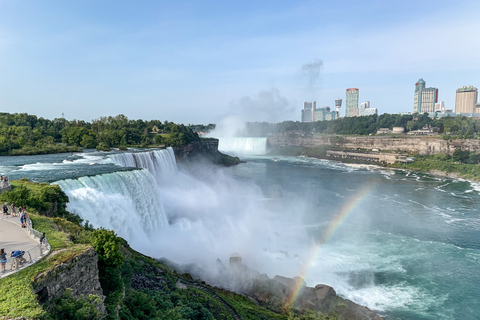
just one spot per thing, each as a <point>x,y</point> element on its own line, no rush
<point>439,164</point>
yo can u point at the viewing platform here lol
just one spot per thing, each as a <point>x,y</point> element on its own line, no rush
<point>13,237</point>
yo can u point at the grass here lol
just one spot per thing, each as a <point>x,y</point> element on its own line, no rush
<point>17,297</point>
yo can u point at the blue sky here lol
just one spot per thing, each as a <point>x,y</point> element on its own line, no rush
<point>200,61</point>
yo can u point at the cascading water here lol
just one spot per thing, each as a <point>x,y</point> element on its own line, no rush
<point>242,145</point>
<point>128,202</point>
<point>160,163</point>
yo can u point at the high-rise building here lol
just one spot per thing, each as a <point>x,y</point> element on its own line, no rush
<point>365,109</point>
<point>338,105</point>
<point>307,112</point>
<point>425,98</point>
<point>324,114</point>
<point>466,99</point>
<point>351,104</point>
<point>311,113</point>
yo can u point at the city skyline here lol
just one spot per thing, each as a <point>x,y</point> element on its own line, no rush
<point>195,62</point>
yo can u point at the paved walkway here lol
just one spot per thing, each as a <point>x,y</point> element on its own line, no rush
<point>14,237</point>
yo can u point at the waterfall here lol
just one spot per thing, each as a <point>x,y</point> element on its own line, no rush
<point>252,146</point>
<point>160,163</point>
<point>128,202</point>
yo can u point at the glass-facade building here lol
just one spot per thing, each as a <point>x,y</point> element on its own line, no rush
<point>351,103</point>
<point>424,98</point>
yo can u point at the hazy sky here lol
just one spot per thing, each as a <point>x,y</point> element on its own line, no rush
<point>199,61</point>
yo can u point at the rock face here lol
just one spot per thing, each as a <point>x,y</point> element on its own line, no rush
<point>206,149</point>
<point>79,274</point>
<point>280,292</point>
<point>410,144</point>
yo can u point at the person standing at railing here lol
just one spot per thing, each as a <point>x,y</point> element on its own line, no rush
<point>12,209</point>
<point>42,239</point>
<point>3,259</point>
<point>23,219</point>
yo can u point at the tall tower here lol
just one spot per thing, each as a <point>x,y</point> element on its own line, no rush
<point>308,110</point>
<point>338,105</point>
<point>466,99</point>
<point>351,104</point>
<point>424,98</point>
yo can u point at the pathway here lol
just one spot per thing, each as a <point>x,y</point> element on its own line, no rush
<point>14,237</point>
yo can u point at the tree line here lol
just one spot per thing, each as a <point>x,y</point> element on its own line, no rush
<point>21,134</point>
<point>450,127</point>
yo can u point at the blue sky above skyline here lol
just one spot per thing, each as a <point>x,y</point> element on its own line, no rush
<point>200,61</point>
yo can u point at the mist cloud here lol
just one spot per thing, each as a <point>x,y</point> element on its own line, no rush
<point>267,105</point>
<point>312,71</point>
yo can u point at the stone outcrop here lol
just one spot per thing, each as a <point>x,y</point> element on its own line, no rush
<point>403,143</point>
<point>204,149</point>
<point>80,274</point>
<point>281,291</point>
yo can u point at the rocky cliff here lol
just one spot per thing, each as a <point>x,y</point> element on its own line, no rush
<point>426,145</point>
<point>79,273</point>
<point>204,149</point>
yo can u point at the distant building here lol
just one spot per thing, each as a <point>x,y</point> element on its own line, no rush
<point>465,99</point>
<point>338,105</point>
<point>440,107</point>
<point>424,98</point>
<point>307,112</point>
<point>365,109</point>
<point>311,113</point>
<point>351,104</point>
<point>324,114</point>
<point>384,131</point>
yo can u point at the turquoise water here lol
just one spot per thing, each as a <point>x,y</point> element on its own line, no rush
<point>409,249</point>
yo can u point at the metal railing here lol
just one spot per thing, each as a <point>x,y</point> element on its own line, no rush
<point>29,256</point>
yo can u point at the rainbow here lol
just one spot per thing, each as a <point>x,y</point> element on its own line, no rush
<point>347,209</point>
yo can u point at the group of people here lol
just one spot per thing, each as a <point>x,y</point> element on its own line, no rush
<point>22,212</point>
<point>16,259</point>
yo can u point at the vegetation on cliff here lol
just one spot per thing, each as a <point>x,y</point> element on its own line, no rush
<point>135,286</point>
<point>24,134</point>
<point>452,128</point>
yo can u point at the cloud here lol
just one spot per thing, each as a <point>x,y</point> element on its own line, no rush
<point>267,105</point>
<point>312,71</point>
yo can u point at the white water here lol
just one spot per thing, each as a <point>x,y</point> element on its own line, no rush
<point>128,202</point>
<point>160,163</point>
<point>242,145</point>
<point>395,252</point>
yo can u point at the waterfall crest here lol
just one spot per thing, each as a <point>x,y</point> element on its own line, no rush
<point>160,163</point>
<point>128,202</point>
<point>243,145</point>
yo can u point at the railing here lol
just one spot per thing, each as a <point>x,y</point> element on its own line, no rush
<point>29,256</point>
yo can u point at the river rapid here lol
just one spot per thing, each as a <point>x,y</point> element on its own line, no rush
<point>404,244</point>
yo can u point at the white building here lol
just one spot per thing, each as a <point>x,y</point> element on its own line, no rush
<point>365,109</point>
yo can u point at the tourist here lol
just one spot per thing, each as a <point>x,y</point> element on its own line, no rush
<point>25,219</point>
<point>17,258</point>
<point>12,209</point>
<point>4,210</point>
<point>42,239</point>
<point>22,219</point>
<point>3,259</point>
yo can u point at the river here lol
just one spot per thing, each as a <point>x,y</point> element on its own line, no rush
<point>404,244</point>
